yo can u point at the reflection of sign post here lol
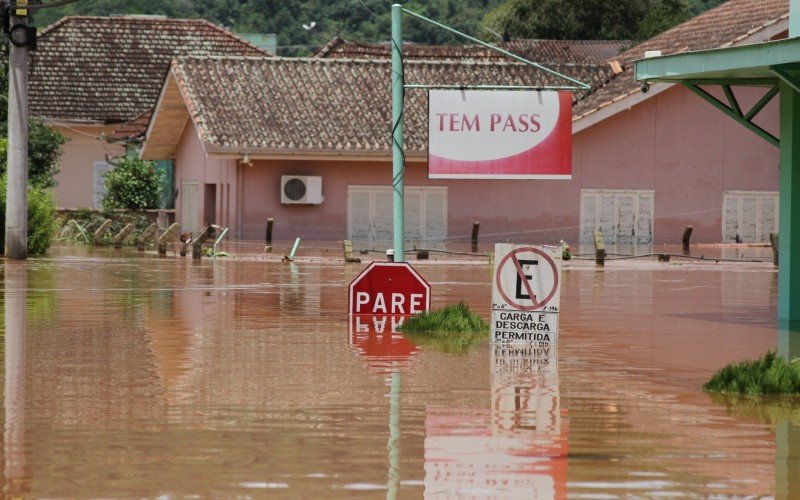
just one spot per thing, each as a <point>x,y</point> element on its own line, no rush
<point>526,294</point>
<point>389,288</point>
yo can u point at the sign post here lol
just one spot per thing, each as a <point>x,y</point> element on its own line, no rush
<point>526,294</point>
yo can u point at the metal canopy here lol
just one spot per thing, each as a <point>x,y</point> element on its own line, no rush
<point>775,65</point>
<point>744,65</point>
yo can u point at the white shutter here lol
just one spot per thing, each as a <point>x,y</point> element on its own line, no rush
<point>644,219</point>
<point>769,209</point>
<point>382,217</point>
<point>589,203</point>
<point>625,219</point>
<point>358,216</point>
<point>749,218</point>
<point>750,215</point>
<point>412,202</point>
<point>435,214</point>
<point>730,218</point>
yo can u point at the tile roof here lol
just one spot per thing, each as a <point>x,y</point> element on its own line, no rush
<point>110,69</point>
<point>335,105</point>
<point>338,105</point>
<point>728,24</point>
<point>541,51</point>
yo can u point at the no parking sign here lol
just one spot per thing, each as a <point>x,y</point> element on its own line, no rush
<point>526,294</point>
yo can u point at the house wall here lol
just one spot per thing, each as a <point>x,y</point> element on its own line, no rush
<point>673,143</point>
<point>687,151</point>
<point>191,164</point>
<point>75,181</point>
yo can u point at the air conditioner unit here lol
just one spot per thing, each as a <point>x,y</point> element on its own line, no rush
<point>301,189</point>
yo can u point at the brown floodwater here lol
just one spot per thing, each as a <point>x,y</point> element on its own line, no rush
<point>133,376</point>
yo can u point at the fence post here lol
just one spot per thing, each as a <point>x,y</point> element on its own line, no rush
<point>120,237</point>
<point>599,249</point>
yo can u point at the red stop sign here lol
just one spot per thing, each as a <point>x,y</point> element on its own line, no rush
<point>389,288</point>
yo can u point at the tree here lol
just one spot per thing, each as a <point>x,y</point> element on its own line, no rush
<point>587,19</point>
<point>44,152</point>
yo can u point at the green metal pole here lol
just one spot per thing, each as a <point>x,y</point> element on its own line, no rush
<point>398,165</point>
<point>789,242</point>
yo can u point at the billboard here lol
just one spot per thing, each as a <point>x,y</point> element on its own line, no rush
<point>499,134</point>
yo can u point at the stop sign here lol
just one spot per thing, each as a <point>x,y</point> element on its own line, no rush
<point>389,288</point>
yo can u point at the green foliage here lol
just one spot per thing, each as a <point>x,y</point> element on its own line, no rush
<point>41,217</point>
<point>456,318</point>
<point>698,6</point>
<point>587,19</point>
<point>769,374</point>
<point>44,152</point>
<point>347,18</point>
<point>133,184</point>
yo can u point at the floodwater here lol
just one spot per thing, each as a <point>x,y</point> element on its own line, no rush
<point>129,376</point>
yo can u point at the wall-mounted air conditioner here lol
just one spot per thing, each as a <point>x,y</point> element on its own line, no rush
<point>301,189</point>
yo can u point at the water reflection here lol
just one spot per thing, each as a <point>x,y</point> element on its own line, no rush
<point>378,339</point>
<point>14,388</point>
<point>516,450</point>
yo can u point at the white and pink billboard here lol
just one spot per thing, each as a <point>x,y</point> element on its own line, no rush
<point>506,134</point>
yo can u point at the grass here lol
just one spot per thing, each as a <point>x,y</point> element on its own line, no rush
<point>770,374</point>
<point>456,318</point>
<point>452,329</point>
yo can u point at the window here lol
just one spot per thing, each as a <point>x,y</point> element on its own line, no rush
<point>749,216</point>
<point>99,188</point>
<point>624,217</point>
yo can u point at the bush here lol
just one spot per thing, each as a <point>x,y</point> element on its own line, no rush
<point>41,217</point>
<point>456,318</point>
<point>133,184</point>
<point>770,374</point>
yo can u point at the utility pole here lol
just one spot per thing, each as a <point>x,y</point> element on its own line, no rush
<point>17,187</point>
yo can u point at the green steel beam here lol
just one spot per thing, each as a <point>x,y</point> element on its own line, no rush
<point>787,78</point>
<point>398,159</point>
<point>487,87</point>
<point>580,85</point>
<point>734,82</point>
<point>732,100</point>
<point>789,206</point>
<point>728,111</point>
<point>742,62</point>
<point>762,103</point>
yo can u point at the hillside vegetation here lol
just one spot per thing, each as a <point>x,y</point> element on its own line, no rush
<point>369,20</point>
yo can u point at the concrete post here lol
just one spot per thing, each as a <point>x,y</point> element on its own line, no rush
<point>17,189</point>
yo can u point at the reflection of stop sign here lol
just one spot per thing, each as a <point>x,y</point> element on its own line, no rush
<point>389,288</point>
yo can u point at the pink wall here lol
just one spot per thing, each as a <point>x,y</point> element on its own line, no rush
<point>684,149</point>
<point>75,181</point>
<point>673,143</point>
<point>191,164</point>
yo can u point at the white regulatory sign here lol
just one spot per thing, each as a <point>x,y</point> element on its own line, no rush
<point>526,294</point>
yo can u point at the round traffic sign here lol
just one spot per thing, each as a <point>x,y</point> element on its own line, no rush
<point>527,292</point>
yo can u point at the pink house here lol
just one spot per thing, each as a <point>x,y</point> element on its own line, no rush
<point>92,76</point>
<point>246,132</point>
